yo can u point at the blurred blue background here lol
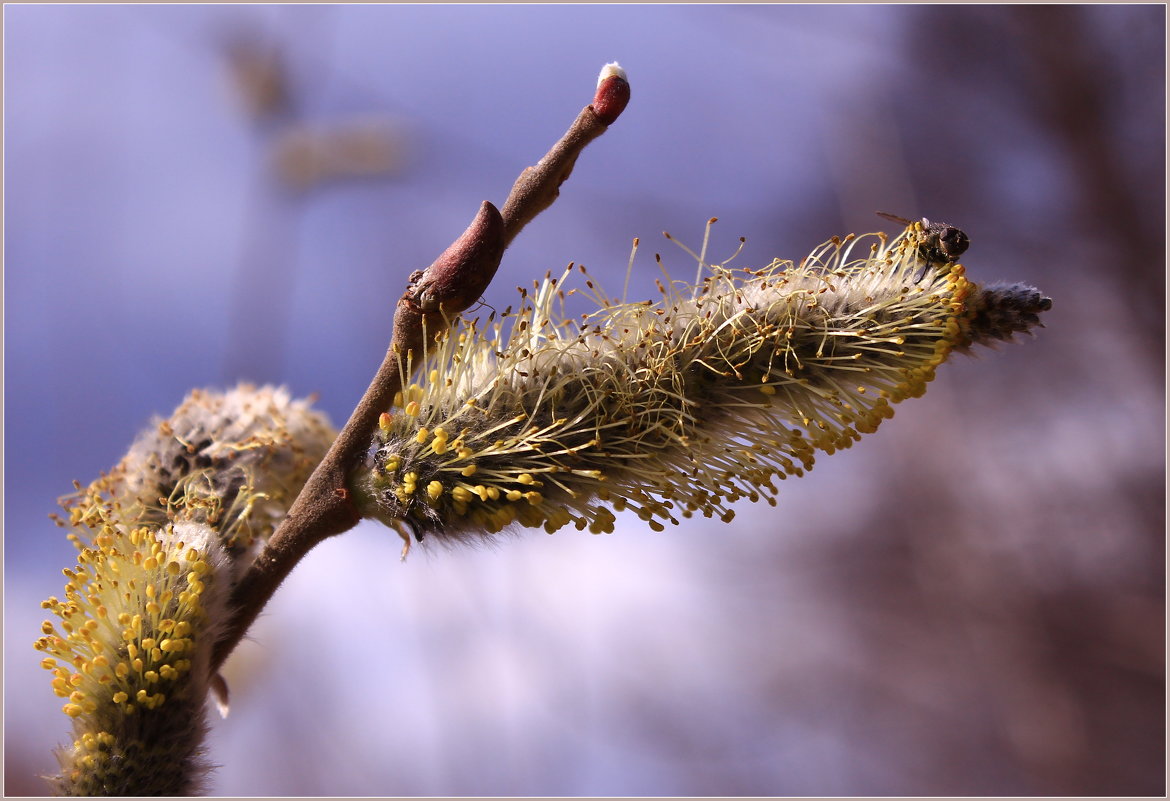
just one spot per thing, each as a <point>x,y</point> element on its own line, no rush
<point>970,602</point>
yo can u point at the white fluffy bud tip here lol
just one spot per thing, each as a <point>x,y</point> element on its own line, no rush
<point>611,69</point>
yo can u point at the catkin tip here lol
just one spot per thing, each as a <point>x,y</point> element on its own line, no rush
<point>999,311</point>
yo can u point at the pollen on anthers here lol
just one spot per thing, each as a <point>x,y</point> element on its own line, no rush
<point>160,539</point>
<point>669,408</point>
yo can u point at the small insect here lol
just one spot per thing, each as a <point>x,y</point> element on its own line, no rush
<point>943,242</point>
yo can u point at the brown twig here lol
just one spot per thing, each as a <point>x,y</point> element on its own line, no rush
<point>444,290</point>
<point>539,185</point>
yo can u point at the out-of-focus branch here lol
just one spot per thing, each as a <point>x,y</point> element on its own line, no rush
<point>1076,99</point>
<point>433,296</point>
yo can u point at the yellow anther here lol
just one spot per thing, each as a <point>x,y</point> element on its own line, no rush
<point>120,698</point>
<point>461,494</point>
<point>469,470</point>
<point>384,418</point>
<point>412,409</point>
<point>421,436</point>
<point>434,490</point>
<point>526,478</point>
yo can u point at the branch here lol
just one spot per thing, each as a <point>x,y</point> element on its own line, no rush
<point>433,296</point>
<point>539,185</point>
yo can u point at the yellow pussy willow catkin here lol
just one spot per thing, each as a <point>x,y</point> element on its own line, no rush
<point>670,408</point>
<point>234,459</point>
<point>160,540</point>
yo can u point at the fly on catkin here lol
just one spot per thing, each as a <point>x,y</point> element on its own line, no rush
<point>676,407</point>
<point>160,539</point>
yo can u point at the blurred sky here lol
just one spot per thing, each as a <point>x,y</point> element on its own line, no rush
<point>150,248</point>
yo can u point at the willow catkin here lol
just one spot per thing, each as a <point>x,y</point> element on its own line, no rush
<point>234,459</point>
<point>160,539</point>
<point>676,407</point>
